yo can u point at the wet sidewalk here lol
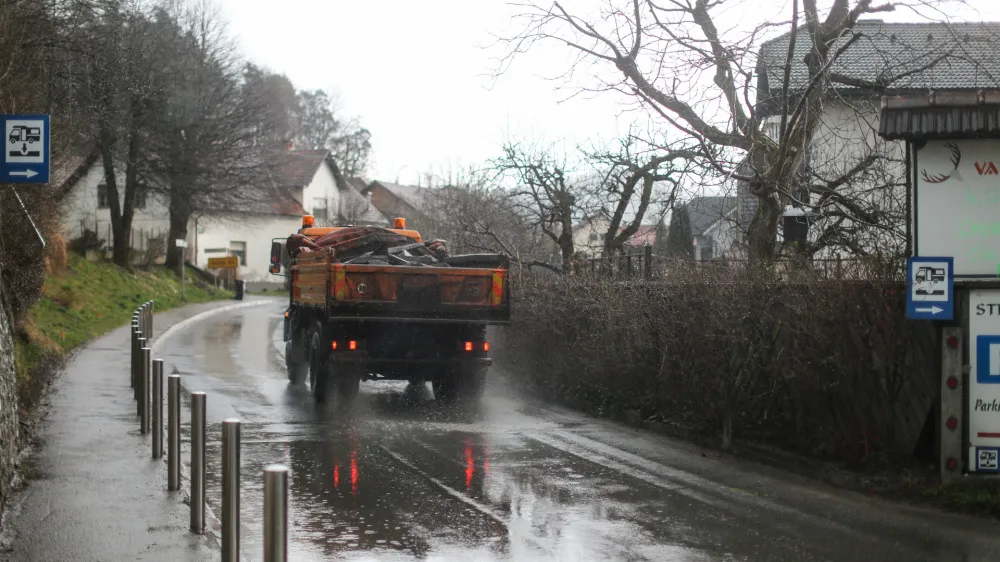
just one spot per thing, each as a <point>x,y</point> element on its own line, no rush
<point>95,493</point>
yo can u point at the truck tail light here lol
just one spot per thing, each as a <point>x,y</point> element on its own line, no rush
<point>468,346</point>
<point>352,345</point>
<point>333,345</point>
<point>486,346</point>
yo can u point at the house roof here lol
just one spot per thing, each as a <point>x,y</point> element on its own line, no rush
<point>943,115</point>
<point>267,201</point>
<point>361,211</point>
<point>67,169</point>
<point>703,212</point>
<point>888,50</point>
<point>296,168</point>
<point>646,234</point>
<point>412,195</point>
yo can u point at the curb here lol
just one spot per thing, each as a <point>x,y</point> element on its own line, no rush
<point>213,525</point>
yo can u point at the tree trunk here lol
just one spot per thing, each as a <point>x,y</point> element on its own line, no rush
<point>180,216</point>
<point>762,234</point>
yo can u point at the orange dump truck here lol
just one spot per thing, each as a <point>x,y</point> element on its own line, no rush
<point>379,303</point>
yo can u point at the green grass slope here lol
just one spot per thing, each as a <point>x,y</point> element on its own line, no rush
<point>86,300</point>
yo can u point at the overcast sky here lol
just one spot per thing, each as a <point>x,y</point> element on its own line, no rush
<point>417,74</point>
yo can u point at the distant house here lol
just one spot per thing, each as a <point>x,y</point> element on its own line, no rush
<point>395,200</point>
<point>303,182</point>
<point>712,227</point>
<point>644,236</point>
<point>588,235</point>
<point>83,198</point>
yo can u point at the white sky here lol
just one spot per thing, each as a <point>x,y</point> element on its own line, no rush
<point>417,74</point>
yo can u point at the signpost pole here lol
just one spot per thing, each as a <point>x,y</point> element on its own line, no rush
<point>182,244</point>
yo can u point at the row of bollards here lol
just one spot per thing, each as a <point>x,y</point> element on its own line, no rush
<point>147,385</point>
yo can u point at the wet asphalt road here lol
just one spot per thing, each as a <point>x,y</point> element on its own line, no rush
<point>401,478</point>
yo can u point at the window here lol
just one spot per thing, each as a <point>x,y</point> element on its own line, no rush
<point>320,214</point>
<point>239,249</point>
<point>102,195</point>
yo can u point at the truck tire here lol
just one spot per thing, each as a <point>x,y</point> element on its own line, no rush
<point>463,384</point>
<point>319,371</point>
<point>348,385</point>
<point>296,361</point>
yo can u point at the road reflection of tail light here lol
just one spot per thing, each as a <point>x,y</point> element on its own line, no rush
<point>336,475</point>
<point>353,345</point>
<point>470,466</point>
<point>354,472</point>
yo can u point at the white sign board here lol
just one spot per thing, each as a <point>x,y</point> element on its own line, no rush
<point>181,243</point>
<point>957,204</point>
<point>984,380</point>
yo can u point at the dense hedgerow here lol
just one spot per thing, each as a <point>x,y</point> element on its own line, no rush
<point>831,368</point>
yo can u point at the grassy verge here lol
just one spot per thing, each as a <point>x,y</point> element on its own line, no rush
<point>84,301</point>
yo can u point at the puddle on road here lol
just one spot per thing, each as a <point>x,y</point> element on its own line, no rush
<point>365,494</point>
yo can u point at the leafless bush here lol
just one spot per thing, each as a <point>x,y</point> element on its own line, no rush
<point>818,366</point>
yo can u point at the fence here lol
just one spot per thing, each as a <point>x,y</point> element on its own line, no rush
<point>147,384</point>
<point>148,243</point>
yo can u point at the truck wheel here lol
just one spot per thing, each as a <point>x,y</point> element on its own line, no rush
<point>348,385</point>
<point>319,373</point>
<point>297,362</point>
<point>460,384</point>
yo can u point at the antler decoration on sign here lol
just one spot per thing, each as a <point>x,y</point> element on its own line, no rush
<point>956,159</point>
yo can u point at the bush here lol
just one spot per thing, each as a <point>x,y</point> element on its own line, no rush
<point>830,368</point>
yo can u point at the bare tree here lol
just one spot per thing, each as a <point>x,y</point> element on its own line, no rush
<point>206,155</point>
<point>113,79</point>
<point>634,182</point>
<point>476,215</point>
<point>545,189</point>
<point>661,49</point>
<point>320,127</point>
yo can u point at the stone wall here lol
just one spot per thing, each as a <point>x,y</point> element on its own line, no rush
<point>8,402</point>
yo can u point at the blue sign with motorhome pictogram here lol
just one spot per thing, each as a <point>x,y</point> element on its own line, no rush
<point>26,149</point>
<point>930,290</point>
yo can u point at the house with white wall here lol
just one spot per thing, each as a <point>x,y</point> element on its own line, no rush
<point>304,182</point>
<point>885,59</point>
<point>84,204</point>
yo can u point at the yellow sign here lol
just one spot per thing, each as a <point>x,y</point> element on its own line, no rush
<point>231,262</point>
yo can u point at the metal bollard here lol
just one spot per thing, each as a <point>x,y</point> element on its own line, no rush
<point>144,385</point>
<point>231,490</point>
<point>151,319</point>
<point>133,338</point>
<point>157,412</point>
<point>139,344</point>
<point>198,462</point>
<point>173,432</point>
<point>276,513</point>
